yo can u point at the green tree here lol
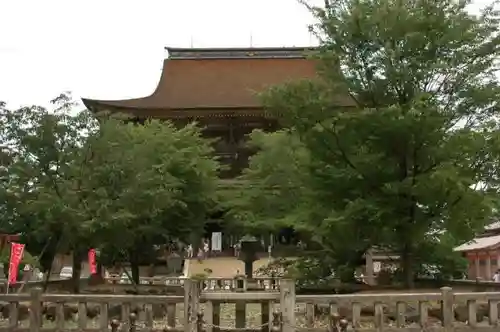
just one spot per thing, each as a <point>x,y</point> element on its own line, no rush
<point>73,181</point>
<point>42,160</point>
<point>414,150</point>
<point>146,185</point>
<point>277,191</point>
<point>270,192</point>
<point>439,260</point>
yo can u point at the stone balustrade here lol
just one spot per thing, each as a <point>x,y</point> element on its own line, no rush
<point>200,310</point>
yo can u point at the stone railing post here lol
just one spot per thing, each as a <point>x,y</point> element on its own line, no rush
<point>115,324</point>
<point>287,304</point>
<point>35,310</point>
<point>447,308</point>
<point>369,268</point>
<point>191,304</point>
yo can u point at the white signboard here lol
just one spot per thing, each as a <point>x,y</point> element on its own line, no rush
<point>217,241</point>
<point>377,267</point>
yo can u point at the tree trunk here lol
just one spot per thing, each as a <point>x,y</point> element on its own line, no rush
<point>77,271</point>
<point>407,265</point>
<point>47,278</point>
<point>97,278</point>
<point>134,266</point>
<point>47,268</point>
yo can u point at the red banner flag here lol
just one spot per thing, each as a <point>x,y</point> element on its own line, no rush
<point>92,262</point>
<point>16,255</point>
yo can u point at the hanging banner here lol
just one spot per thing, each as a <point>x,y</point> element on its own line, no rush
<point>217,241</point>
<point>92,262</point>
<point>16,255</point>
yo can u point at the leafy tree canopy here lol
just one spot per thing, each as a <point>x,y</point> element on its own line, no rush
<point>395,140</point>
<point>72,180</point>
<point>148,184</point>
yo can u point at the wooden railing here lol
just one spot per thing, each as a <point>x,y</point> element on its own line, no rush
<point>201,311</point>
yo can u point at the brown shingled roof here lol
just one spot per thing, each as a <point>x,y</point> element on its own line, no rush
<point>218,79</point>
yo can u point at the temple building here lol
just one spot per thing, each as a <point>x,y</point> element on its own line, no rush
<point>483,253</point>
<point>218,88</point>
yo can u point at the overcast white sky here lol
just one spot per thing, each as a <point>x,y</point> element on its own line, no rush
<point>113,49</point>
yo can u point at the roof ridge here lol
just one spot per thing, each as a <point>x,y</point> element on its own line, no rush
<point>239,53</point>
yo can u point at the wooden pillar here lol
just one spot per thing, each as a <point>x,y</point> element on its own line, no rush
<point>369,275</point>
<point>470,267</point>
<point>497,256</point>
<point>476,266</point>
<point>488,266</point>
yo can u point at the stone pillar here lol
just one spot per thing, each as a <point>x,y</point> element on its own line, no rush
<point>191,304</point>
<point>447,309</point>
<point>369,275</point>
<point>287,305</point>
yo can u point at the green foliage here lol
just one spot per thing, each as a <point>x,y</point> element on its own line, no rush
<point>398,135</point>
<point>42,160</point>
<point>70,181</point>
<point>438,260</point>
<point>27,257</point>
<point>273,184</point>
<point>148,184</point>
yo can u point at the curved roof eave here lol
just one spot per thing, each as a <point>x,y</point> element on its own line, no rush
<point>222,79</point>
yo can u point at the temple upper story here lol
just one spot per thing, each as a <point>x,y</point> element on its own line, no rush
<point>220,82</point>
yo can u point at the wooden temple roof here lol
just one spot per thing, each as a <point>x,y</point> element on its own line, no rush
<point>216,79</point>
<point>488,239</point>
<point>480,243</point>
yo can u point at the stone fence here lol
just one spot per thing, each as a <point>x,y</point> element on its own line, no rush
<point>162,283</point>
<point>280,311</point>
<point>146,284</point>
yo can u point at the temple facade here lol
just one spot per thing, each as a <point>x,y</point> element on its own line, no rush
<point>218,88</point>
<point>483,253</point>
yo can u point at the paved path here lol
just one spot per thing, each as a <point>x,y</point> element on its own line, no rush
<point>222,267</point>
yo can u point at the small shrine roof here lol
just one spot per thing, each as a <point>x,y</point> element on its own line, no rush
<point>217,79</point>
<point>493,226</point>
<point>480,243</point>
